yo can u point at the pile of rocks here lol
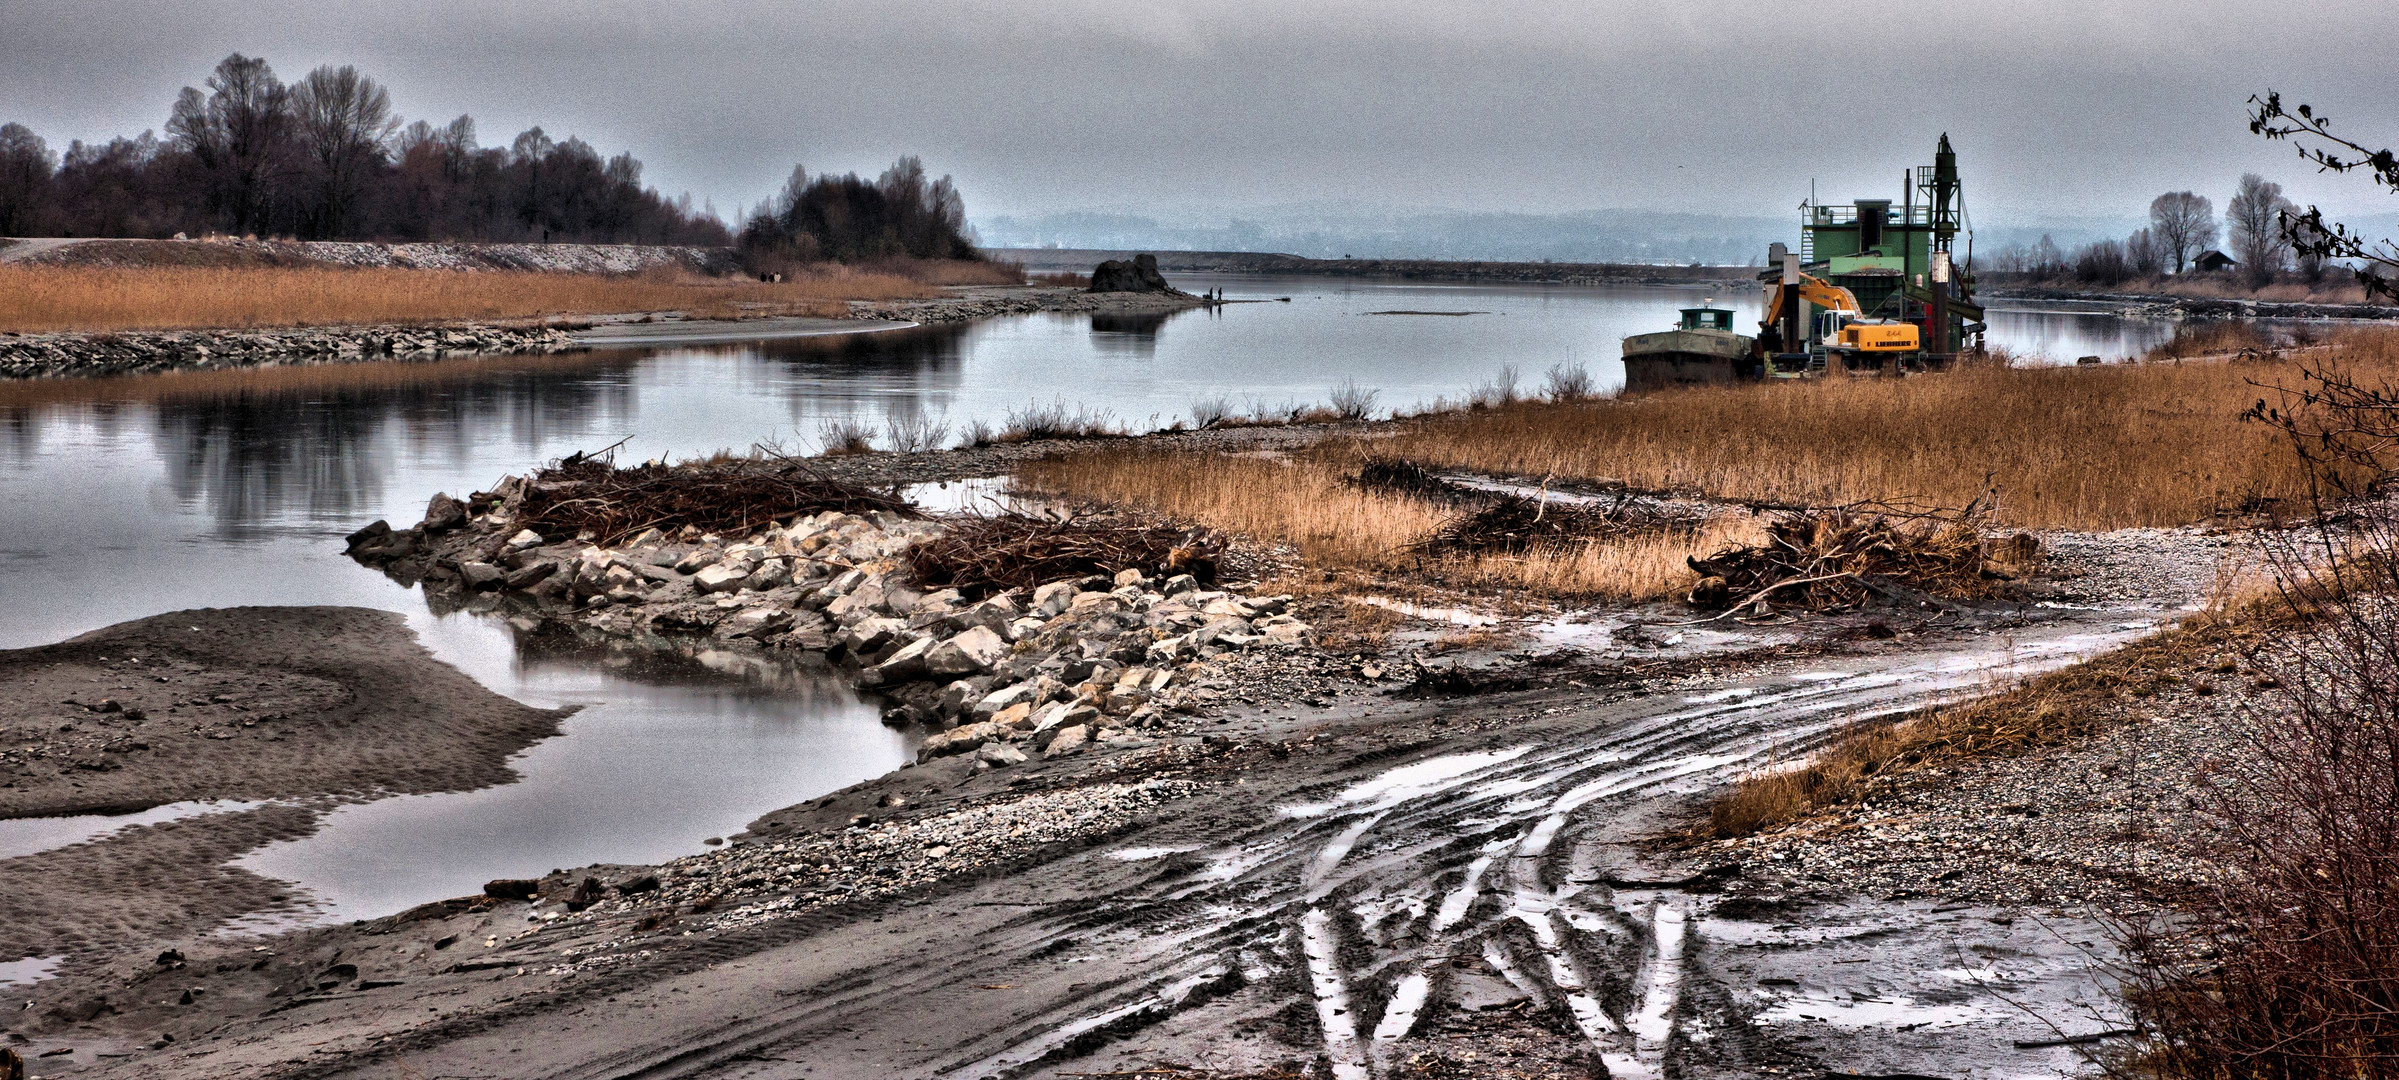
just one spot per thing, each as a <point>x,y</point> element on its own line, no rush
<point>1049,670</point>
<point>30,356</point>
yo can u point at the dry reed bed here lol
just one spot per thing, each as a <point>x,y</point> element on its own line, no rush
<point>1309,502</point>
<point>94,299</point>
<point>2077,448</point>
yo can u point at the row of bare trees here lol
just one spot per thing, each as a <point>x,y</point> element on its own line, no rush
<point>2182,226</point>
<point>327,157</point>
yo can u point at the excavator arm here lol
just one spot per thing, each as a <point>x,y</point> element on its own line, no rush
<point>1817,291</point>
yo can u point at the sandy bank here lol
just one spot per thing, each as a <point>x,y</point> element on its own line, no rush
<point>280,706</point>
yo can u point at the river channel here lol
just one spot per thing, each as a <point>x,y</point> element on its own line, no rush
<point>123,498</point>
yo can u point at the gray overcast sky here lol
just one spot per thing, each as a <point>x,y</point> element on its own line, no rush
<point>2057,108</point>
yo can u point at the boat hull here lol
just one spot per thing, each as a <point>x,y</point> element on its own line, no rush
<point>1674,358</point>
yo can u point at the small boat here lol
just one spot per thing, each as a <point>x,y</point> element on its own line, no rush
<point>1703,350</point>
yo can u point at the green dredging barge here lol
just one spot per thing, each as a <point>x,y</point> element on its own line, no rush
<point>1874,289</point>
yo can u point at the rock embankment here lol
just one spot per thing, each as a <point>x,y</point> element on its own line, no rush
<point>1049,670</point>
<point>36,356</point>
<point>984,303</point>
<point>517,258</point>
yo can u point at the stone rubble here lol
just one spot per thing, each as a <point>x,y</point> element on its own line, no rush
<point>1070,664</point>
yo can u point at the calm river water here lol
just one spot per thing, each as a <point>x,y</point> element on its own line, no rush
<point>129,497</point>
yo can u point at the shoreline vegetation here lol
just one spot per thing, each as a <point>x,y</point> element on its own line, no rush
<point>2049,449</point>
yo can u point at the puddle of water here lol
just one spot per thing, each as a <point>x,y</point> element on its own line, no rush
<point>30,970</point>
<point>665,753</point>
<point>27,836</point>
<point>976,494</point>
<point>1451,615</point>
<point>1142,854</point>
<point>1856,1013</point>
<point>1409,781</point>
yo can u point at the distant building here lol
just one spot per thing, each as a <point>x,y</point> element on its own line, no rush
<point>2213,261</point>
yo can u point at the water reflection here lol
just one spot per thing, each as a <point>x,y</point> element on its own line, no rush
<point>679,742</point>
<point>1133,335</point>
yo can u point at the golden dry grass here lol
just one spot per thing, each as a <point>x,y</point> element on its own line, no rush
<point>2087,448</point>
<point>44,299</point>
<point>1304,500</point>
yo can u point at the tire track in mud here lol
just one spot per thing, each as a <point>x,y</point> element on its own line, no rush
<point>1613,959</point>
<point>1359,898</point>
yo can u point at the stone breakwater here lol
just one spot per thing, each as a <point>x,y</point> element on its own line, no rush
<point>985,304</point>
<point>35,356</point>
<point>1048,671</point>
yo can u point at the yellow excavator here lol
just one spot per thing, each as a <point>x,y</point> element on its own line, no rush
<point>1856,333</point>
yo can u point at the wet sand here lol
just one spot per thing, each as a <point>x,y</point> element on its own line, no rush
<point>293,707</point>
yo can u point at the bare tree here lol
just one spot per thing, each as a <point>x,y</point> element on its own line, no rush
<point>2254,218</point>
<point>2144,252</point>
<point>345,121</point>
<point>26,166</point>
<point>241,134</point>
<point>2184,223</point>
<point>2376,263</point>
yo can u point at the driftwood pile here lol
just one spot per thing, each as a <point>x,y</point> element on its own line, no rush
<point>1822,559</point>
<point>981,555</point>
<point>589,494</point>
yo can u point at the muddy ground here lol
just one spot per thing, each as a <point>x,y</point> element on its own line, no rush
<point>1331,869</point>
<point>273,710</point>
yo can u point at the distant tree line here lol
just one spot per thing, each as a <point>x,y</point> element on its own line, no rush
<point>902,214</point>
<point>2182,227</point>
<point>326,158</point>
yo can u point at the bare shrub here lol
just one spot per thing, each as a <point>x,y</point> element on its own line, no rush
<point>1570,382</point>
<point>2287,970</point>
<point>1209,412</point>
<point>1353,403</point>
<point>1501,390</point>
<point>844,436</point>
<point>976,433</point>
<point>1056,420</point>
<point>915,434</point>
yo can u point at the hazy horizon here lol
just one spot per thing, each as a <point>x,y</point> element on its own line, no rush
<point>2060,112</point>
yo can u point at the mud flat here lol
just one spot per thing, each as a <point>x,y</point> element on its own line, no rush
<point>138,760</point>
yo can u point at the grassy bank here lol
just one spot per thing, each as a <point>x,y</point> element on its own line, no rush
<point>2076,448</point>
<point>91,299</point>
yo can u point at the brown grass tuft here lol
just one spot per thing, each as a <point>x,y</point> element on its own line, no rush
<point>51,299</point>
<point>1310,502</point>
